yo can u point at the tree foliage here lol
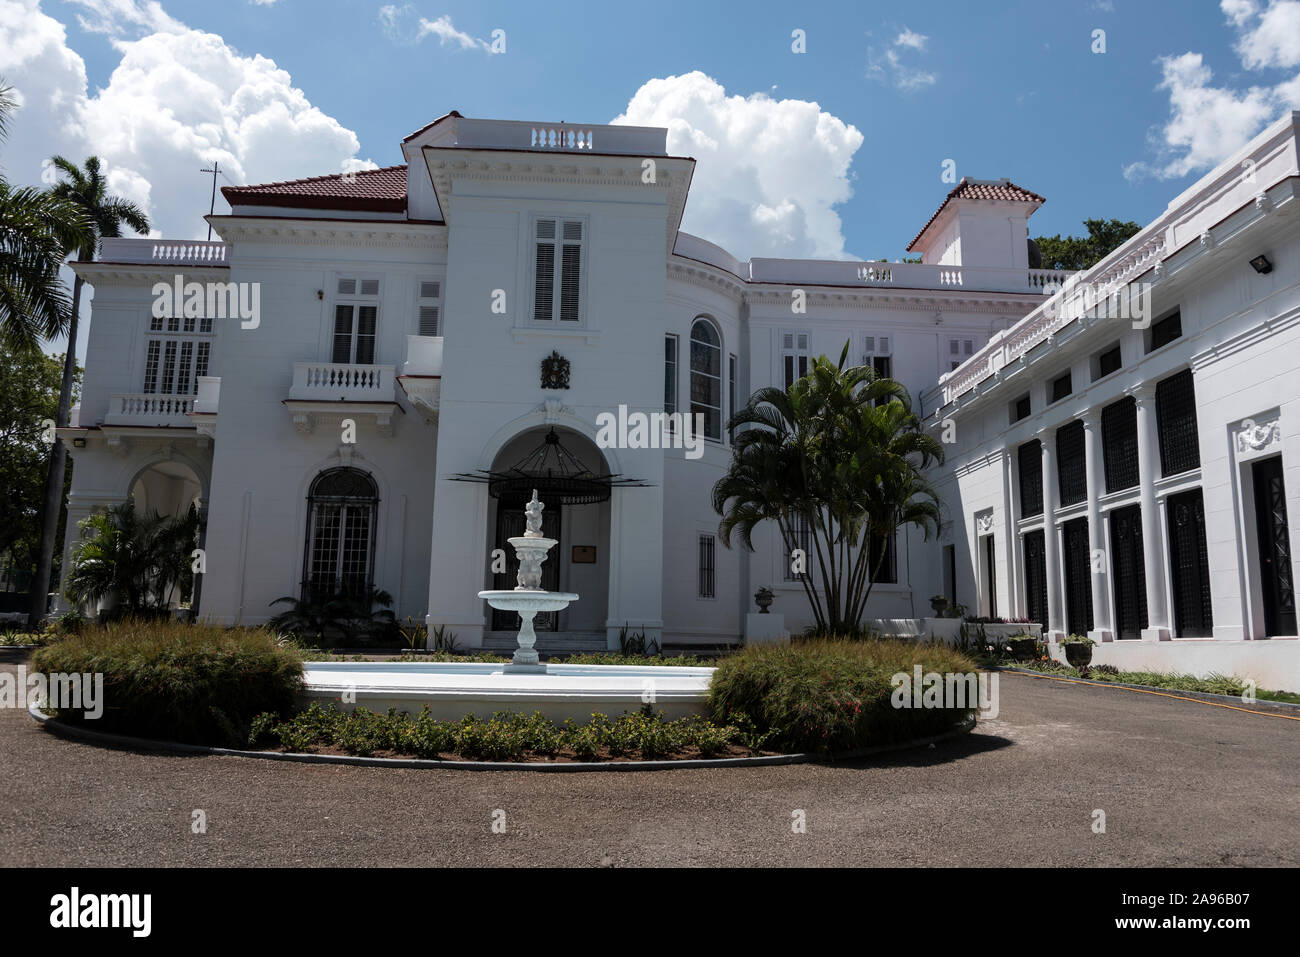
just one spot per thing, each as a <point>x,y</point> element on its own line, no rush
<point>137,563</point>
<point>842,449</point>
<point>1075,253</point>
<point>29,400</point>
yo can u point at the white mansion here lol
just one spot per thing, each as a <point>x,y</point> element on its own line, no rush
<point>421,343</point>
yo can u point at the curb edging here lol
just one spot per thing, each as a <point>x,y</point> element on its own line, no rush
<point>54,726</point>
<point>1204,695</point>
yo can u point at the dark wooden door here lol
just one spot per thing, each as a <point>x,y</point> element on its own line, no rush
<point>511,524</point>
<point>991,575</point>
<point>1189,561</point>
<point>1036,577</point>
<point>1078,577</point>
<point>1274,548</point>
<point>1128,572</point>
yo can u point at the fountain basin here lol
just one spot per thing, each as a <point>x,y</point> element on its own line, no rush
<point>452,690</point>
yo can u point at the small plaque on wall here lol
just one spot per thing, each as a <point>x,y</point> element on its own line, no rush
<point>584,554</point>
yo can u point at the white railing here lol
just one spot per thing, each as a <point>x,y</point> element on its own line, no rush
<point>152,409</point>
<point>166,252</point>
<point>469,133</point>
<point>341,382</point>
<point>560,138</point>
<point>1245,178</point>
<point>905,275</point>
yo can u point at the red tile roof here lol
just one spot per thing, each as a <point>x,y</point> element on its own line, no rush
<point>375,190</point>
<point>1001,189</point>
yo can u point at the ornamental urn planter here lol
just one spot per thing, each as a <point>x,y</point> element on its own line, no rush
<point>1078,655</point>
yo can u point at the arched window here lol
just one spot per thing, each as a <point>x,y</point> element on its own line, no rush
<point>341,510</point>
<point>706,377</point>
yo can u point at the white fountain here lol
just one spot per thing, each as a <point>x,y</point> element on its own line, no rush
<point>528,598</point>
<point>451,690</point>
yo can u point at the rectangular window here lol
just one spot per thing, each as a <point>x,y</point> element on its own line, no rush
<point>1176,422</point>
<point>1035,544</point>
<point>1108,362</point>
<point>794,357</point>
<point>706,566</point>
<point>1030,456</point>
<point>1119,443</point>
<point>356,321</point>
<point>1189,565</point>
<point>1165,331</point>
<point>991,575</point>
<point>1020,408</point>
<point>1078,577</point>
<point>802,539</point>
<point>888,570</point>
<point>429,309</point>
<point>1071,468</point>
<point>959,350</point>
<point>557,276</point>
<point>670,373</point>
<point>175,359</point>
<point>1061,387</point>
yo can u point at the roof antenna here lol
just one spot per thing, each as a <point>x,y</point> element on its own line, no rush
<point>212,207</point>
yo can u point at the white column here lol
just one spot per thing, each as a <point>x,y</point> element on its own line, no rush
<point>1012,538</point>
<point>1102,629</point>
<point>1055,629</point>
<point>1153,540</point>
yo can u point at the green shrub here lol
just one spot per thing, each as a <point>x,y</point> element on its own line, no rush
<point>177,682</point>
<point>830,695</point>
<point>502,737</point>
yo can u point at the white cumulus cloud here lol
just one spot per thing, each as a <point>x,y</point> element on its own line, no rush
<point>769,173</point>
<point>1208,122</point>
<point>895,64</point>
<point>178,99</point>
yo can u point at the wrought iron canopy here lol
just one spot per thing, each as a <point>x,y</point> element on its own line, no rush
<point>555,472</point>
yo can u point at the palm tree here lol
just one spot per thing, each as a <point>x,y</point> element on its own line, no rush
<point>842,451</point>
<point>85,188</point>
<point>135,562</point>
<point>36,229</point>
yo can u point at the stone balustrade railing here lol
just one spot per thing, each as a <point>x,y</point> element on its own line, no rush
<point>169,252</point>
<point>149,409</point>
<point>341,382</point>
<point>560,138</point>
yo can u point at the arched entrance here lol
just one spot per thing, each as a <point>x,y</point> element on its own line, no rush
<point>171,488</point>
<point>565,467</point>
<point>168,488</point>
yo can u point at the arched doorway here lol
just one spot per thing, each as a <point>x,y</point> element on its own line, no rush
<point>170,489</point>
<point>564,466</point>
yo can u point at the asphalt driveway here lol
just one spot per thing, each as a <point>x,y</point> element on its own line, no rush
<point>1180,783</point>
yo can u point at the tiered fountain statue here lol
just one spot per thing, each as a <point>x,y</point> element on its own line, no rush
<point>528,597</point>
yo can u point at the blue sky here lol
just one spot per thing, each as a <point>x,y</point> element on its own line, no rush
<point>1011,89</point>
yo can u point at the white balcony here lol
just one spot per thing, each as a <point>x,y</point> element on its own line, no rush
<point>150,410</point>
<point>341,382</point>
<point>164,252</point>
<point>333,391</point>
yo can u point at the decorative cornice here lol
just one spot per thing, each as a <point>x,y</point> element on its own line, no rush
<point>308,232</point>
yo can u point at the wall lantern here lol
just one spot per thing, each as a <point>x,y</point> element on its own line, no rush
<point>78,443</point>
<point>1261,265</point>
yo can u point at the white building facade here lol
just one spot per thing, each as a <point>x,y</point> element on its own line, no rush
<point>1132,477</point>
<point>419,342</point>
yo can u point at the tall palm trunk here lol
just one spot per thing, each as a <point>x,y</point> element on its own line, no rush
<point>55,474</point>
